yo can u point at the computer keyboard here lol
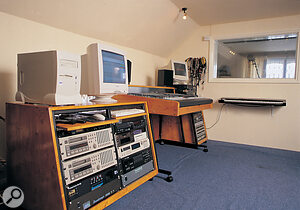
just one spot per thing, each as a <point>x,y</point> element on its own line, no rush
<point>125,112</point>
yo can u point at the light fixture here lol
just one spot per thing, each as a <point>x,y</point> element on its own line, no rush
<point>231,52</point>
<point>184,9</point>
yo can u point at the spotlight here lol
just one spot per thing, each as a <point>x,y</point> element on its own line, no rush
<point>231,52</point>
<point>184,9</point>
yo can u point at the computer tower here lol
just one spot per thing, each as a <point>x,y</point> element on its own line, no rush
<point>49,77</point>
<point>165,77</point>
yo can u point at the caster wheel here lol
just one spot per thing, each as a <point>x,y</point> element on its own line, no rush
<point>151,179</point>
<point>161,142</point>
<point>205,150</point>
<point>169,179</point>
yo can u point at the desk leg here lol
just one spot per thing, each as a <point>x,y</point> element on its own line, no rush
<point>160,126</point>
<point>169,178</point>
<point>203,146</point>
<point>181,130</point>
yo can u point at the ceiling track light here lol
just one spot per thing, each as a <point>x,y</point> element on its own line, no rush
<point>184,9</point>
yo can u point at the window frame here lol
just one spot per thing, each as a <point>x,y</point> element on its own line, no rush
<point>212,71</point>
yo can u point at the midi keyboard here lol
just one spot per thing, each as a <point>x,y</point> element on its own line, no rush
<point>253,101</point>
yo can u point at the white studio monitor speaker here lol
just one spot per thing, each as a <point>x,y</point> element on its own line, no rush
<point>50,77</point>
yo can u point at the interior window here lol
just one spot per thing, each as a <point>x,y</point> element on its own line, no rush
<point>265,57</point>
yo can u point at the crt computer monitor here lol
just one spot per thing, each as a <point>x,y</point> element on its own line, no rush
<point>180,73</point>
<point>105,72</point>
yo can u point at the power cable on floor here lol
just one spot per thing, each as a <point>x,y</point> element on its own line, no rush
<point>218,117</point>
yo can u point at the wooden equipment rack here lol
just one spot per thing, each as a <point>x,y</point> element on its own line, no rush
<point>33,161</point>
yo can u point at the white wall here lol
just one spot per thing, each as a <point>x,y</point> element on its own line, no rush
<point>20,35</point>
<point>253,126</point>
<point>241,125</point>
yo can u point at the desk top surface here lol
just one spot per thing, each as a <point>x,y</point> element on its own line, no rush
<point>169,107</point>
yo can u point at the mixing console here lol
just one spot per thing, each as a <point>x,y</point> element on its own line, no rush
<point>183,99</point>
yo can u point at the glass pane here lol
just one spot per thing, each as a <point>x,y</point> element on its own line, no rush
<point>258,57</point>
<point>290,68</point>
<point>275,68</point>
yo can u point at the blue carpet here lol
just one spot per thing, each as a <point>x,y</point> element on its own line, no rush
<point>229,176</point>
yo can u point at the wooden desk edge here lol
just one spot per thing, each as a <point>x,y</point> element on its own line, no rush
<point>192,109</point>
<point>163,106</point>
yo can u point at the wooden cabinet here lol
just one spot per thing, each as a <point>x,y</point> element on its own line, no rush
<point>40,167</point>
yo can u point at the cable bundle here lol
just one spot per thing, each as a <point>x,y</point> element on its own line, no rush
<point>197,70</point>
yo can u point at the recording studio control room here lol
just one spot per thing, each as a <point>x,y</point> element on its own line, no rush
<point>142,105</point>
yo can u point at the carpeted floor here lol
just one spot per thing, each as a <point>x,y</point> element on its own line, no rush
<point>229,176</point>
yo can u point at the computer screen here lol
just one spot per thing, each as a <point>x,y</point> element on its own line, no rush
<point>180,69</point>
<point>180,75</point>
<point>105,71</point>
<point>113,67</point>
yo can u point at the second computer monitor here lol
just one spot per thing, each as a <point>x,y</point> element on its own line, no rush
<point>105,71</point>
<point>180,75</point>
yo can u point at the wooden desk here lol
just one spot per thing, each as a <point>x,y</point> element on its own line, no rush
<point>170,122</point>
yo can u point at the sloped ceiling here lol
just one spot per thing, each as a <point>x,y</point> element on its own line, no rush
<point>153,26</point>
<point>209,12</point>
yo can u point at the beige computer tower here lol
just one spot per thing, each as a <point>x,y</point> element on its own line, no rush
<point>50,77</point>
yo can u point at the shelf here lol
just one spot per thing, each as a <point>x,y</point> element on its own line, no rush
<point>72,127</point>
<point>130,116</point>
